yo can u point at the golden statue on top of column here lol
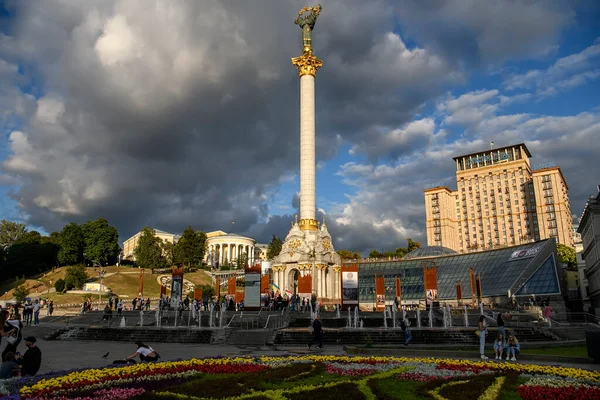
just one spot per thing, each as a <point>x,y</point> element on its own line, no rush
<point>307,24</point>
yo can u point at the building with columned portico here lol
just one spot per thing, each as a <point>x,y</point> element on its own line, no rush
<point>224,248</point>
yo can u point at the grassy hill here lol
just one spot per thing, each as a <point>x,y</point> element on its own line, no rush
<point>121,280</point>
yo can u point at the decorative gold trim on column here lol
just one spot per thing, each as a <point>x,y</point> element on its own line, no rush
<point>337,268</point>
<point>307,64</point>
<point>308,224</point>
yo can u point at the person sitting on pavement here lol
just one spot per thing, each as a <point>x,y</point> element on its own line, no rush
<point>32,359</point>
<point>9,367</point>
<point>146,353</point>
<point>499,345</point>
<point>512,347</point>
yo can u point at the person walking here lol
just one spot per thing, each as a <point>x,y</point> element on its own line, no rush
<point>36,313</point>
<point>482,332</point>
<point>317,333</point>
<point>405,326</point>
<point>500,322</point>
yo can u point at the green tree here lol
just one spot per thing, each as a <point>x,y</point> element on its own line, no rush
<point>375,254</point>
<point>274,247</point>
<point>208,291</point>
<point>412,245</point>
<point>168,251</point>
<point>401,252</point>
<point>59,285</point>
<point>148,252</point>
<point>10,233</point>
<point>191,247</point>
<point>30,255</point>
<point>356,255</point>
<point>346,254</point>
<point>567,256</point>
<point>75,277</point>
<point>241,261</point>
<point>101,241</point>
<point>21,291</point>
<point>71,244</point>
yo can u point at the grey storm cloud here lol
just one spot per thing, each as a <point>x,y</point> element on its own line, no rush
<point>176,113</point>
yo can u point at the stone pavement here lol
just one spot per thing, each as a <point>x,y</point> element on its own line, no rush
<point>60,355</point>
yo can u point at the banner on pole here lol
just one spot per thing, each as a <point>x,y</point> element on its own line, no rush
<point>264,284</point>
<point>251,294</point>
<point>198,293</point>
<point>141,283</point>
<point>458,290</point>
<point>399,291</point>
<point>163,290</point>
<point>473,289</point>
<point>479,288</point>
<point>430,283</point>
<point>231,282</point>
<point>349,283</point>
<point>218,287</point>
<point>380,292</point>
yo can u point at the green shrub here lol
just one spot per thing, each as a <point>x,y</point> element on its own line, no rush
<point>59,286</point>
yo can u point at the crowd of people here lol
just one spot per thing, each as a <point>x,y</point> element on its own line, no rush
<point>13,363</point>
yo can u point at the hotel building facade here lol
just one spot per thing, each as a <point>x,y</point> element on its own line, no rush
<point>500,201</point>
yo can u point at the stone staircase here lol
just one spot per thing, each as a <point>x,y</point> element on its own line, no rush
<point>299,336</point>
<point>131,334</point>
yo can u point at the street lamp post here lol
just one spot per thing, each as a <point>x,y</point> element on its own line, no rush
<point>101,273</point>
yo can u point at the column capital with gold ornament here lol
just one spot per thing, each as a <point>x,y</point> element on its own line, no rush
<point>307,64</point>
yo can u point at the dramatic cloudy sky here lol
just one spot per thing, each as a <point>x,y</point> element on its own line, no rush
<point>171,113</point>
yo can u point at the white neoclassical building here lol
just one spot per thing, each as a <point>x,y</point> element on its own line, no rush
<point>223,248</point>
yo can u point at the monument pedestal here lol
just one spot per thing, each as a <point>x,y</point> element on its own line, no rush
<point>309,253</point>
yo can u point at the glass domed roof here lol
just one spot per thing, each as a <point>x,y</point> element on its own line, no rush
<point>429,251</point>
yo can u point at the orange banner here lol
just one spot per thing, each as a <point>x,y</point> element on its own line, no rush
<point>239,296</point>
<point>479,288</point>
<point>231,285</point>
<point>458,290</point>
<point>163,290</point>
<point>399,292</point>
<point>218,287</point>
<point>473,288</point>
<point>141,284</point>
<point>305,284</point>
<point>380,292</point>
<point>264,284</point>
<point>198,293</point>
<point>430,282</point>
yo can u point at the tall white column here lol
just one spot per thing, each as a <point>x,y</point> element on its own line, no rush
<point>307,148</point>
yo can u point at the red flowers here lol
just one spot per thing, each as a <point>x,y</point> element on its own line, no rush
<point>463,368</point>
<point>558,393</point>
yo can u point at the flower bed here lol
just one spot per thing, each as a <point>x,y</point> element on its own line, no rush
<point>310,376</point>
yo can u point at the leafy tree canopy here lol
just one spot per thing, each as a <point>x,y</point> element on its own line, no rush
<point>274,247</point>
<point>75,277</point>
<point>567,256</point>
<point>71,241</point>
<point>149,253</point>
<point>101,241</point>
<point>10,233</point>
<point>21,291</point>
<point>191,247</point>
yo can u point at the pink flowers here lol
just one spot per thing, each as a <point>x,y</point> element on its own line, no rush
<point>103,394</point>
<point>419,377</point>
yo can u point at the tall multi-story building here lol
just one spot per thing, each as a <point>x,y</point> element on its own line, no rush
<point>500,201</point>
<point>589,228</point>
